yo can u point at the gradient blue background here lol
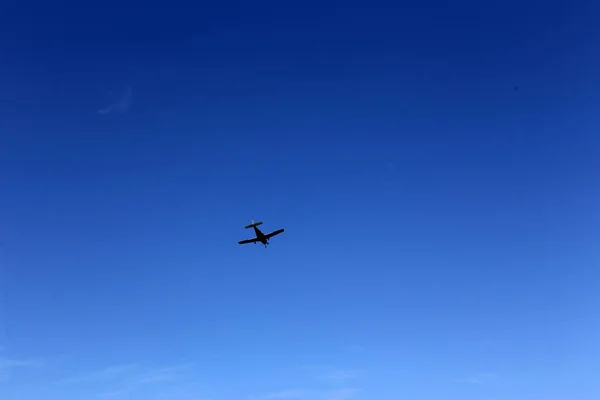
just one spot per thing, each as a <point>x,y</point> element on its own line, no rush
<point>435,165</point>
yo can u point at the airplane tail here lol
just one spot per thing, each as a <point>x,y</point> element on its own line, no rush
<point>253,224</point>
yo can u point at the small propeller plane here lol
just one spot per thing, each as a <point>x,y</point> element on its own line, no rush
<point>260,237</point>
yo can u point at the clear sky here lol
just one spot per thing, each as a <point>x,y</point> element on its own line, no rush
<point>435,165</point>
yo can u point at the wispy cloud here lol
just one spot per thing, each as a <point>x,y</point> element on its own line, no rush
<point>342,376</point>
<point>122,380</point>
<point>354,348</point>
<point>9,365</point>
<point>337,385</point>
<point>12,363</point>
<point>285,394</point>
<point>317,394</point>
<point>162,374</point>
<point>341,394</point>
<point>113,394</point>
<point>335,375</point>
<point>103,374</point>
<point>481,378</point>
<point>121,105</point>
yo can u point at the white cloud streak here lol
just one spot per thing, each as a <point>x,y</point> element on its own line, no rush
<point>343,375</point>
<point>481,378</point>
<point>121,106</point>
<point>285,394</point>
<point>336,394</point>
<point>9,365</point>
<point>336,378</point>
<point>12,363</point>
<point>104,374</point>
<point>334,375</point>
<point>341,394</point>
<point>122,380</point>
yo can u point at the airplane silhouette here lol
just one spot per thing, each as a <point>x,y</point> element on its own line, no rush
<point>260,237</point>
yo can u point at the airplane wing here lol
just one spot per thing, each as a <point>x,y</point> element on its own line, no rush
<point>270,235</point>
<point>249,241</point>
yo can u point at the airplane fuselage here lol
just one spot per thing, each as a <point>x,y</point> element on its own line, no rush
<point>260,236</point>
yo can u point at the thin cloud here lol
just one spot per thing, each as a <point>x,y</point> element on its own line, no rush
<point>285,394</point>
<point>343,375</point>
<point>341,394</point>
<point>355,348</point>
<point>8,366</point>
<point>188,390</point>
<point>162,374</point>
<point>121,106</point>
<point>481,378</point>
<point>336,394</point>
<point>113,394</point>
<point>103,374</point>
<point>13,363</point>
<point>124,379</point>
<point>335,375</point>
<point>337,385</point>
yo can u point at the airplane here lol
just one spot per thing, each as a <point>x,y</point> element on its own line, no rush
<point>260,237</point>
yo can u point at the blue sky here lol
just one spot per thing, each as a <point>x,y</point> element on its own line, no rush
<point>435,166</point>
